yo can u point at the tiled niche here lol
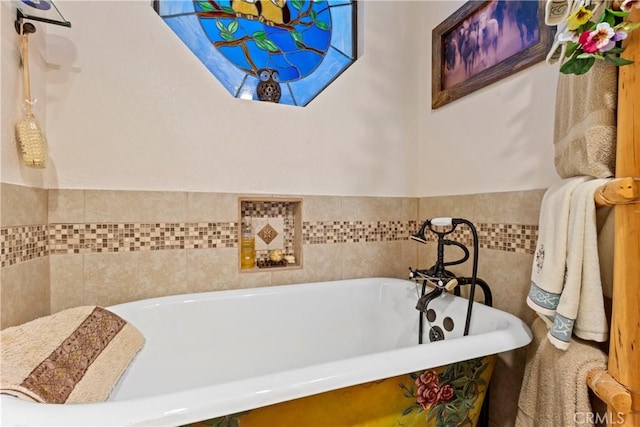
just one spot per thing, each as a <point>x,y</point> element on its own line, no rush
<point>277,224</point>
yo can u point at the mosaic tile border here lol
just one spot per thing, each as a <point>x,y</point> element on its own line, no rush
<point>24,243</point>
<point>501,237</point>
<point>19,244</point>
<point>320,232</point>
<point>132,237</point>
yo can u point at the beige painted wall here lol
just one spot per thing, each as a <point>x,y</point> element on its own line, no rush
<point>499,138</point>
<point>130,107</point>
<point>118,88</point>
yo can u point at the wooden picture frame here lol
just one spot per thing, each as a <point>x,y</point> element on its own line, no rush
<point>459,68</point>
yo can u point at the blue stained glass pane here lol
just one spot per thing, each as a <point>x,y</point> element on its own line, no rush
<point>293,39</point>
<point>316,38</point>
<point>306,61</point>
<point>288,71</point>
<point>174,7</point>
<point>334,63</point>
<point>283,40</point>
<point>248,89</point>
<point>188,29</point>
<point>341,37</point>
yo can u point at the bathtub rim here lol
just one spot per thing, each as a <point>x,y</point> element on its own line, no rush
<point>179,408</point>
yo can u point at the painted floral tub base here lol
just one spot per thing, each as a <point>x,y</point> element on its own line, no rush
<point>446,396</point>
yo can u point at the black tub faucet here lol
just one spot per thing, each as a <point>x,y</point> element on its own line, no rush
<point>438,275</point>
<point>440,285</point>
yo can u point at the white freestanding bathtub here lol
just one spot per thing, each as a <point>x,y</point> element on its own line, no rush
<point>211,354</point>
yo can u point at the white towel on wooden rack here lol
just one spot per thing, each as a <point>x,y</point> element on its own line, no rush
<point>566,290</point>
<point>550,260</point>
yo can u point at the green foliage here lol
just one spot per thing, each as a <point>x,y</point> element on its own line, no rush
<point>296,36</point>
<point>205,6</point>
<point>577,65</point>
<point>227,32</point>
<point>267,45</point>
<point>615,60</point>
<point>261,40</point>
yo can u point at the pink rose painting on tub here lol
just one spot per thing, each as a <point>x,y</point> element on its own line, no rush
<point>446,398</point>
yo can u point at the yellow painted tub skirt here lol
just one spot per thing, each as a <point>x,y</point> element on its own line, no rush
<point>446,396</point>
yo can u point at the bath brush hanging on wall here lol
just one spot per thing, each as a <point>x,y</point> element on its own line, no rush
<point>31,140</point>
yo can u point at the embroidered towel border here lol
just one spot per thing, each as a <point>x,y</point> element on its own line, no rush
<point>75,356</point>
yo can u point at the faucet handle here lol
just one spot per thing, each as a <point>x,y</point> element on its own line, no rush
<point>442,221</point>
<point>451,284</point>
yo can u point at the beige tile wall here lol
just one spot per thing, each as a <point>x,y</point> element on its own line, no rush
<point>79,273</point>
<point>49,283</point>
<point>509,286</point>
<point>24,286</point>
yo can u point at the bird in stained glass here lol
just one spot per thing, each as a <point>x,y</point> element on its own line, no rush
<point>275,12</point>
<point>247,8</point>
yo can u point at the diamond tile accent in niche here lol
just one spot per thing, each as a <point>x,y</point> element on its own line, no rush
<point>267,233</point>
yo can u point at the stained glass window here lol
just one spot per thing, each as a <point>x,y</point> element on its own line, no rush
<point>284,51</point>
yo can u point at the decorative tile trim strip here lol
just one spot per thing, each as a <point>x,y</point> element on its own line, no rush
<point>133,237</point>
<point>18,244</point>
<point>356,231</point>
<point>501,237</point>
<point>261,208</point>
<point>24,243</point>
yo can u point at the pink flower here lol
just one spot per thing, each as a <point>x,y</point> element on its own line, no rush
<point>428,396</point>
<point>446,393</point>
<point>599,39</point>
<point>428,389</point>
<point>428,379</point>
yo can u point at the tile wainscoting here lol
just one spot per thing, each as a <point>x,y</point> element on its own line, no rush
<point>194,237</point>
<point>65,248</point>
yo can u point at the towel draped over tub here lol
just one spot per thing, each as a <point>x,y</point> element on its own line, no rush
<point>74,356</point>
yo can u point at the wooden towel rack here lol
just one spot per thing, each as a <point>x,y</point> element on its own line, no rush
<point>619,386</point>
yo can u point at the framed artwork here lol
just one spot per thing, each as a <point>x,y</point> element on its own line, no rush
<point>284,51</point>
<point>483,42</point>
